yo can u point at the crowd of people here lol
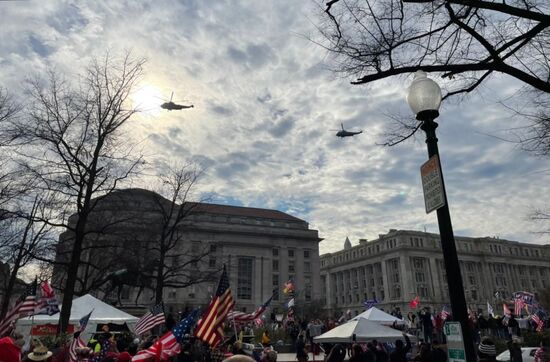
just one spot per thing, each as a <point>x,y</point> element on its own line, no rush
<point>424,326</point>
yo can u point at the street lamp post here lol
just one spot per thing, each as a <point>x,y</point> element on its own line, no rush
<point>424,98</point>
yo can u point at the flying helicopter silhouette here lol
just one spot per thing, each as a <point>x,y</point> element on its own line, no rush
<point>171,106</point>
<point>343,133</point>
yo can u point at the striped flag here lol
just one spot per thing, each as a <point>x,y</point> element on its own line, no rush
<point>76,343</point>
<point>538,321</point>
<point>210,326</point>
<point>23,307</point>
<point>47,303</point>
<point>506,310</point>
<point>169,344</point>
<point>152,318</point>
<point>241,317</point>
<point>519,304</point>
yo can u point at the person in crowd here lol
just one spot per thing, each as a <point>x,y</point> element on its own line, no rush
<point>411,323</point>
<point>400,352</point>
<point>486,350</point>
<point>515,351</point>
<point>266,340</point>
<point>369,354</point>
<point>356,354</point>
<point>337,354</point>
<point>39,353</point>
<point>301,352</point>
<point>483,324</point>
<point>238,348</point>
<point>513,327</point>
<point>239,358</point>
<point>424,353</point>
<point>427,324</point>
<point>269,355</point>
<point>380,351</point>
<point>437,354</point>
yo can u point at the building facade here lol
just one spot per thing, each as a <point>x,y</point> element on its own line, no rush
<point>403,264</point>
<point>260,248</point>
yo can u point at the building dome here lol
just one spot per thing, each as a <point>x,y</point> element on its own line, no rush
<point>347,244</point>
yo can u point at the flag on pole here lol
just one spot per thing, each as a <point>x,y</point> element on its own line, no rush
<point>152,318</point>
<point>76,343</point>
<point>169,344</point>
<point>290,303</point>
<point>23,307</point>
<point>369,303</point>
<point>47,303</point>
<point>490,310</point>
<point>210,326</point>
<point>518,306</point>
<point>414,303</point>
<point>83,322</point>
<point>241,317</point>
<point>538,322</point>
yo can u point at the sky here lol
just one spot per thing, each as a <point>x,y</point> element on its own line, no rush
<point>266,110</point>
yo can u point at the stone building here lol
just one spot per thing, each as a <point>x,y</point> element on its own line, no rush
<point>403,264</point>
<point>261,249</point>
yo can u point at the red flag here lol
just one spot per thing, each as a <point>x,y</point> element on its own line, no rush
<point>414,303</point>
<point>506,310</point>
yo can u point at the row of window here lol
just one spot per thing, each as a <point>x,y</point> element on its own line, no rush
<point>291,253</point>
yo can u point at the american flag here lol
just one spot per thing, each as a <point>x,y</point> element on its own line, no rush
<point>241,317</point>
<point>23,307</point>
<point>47,303</point>
<point>76,343</point>
<point>210,326</point>
<point>169,344</point>
<point>445,313</point>
<point>152,318</point>
<point>519,304</point>
<point>83,322</point>
<point>538,321</point>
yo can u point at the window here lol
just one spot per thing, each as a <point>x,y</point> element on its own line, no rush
<point>275,284</point>
<point>307,267</point>
<point>291,253</point>
<point>212,248</point>
<point>275,265</point>
<point>420,277</point>
<point>275,252</point>
<point>306,254</point>
<point>291,266</point>
<point>172,294</point>
<point>244,278</point>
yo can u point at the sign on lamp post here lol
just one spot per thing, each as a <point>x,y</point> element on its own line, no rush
<point>432,184</point>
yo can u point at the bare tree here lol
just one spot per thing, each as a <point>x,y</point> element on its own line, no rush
<point>464,40</point>
<point>21,239</point>
<point>177,260</point>
<point>74,149</point>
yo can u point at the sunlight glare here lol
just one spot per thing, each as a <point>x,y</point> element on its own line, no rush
<point>148,99</point>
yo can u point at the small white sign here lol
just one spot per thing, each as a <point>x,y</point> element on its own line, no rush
<point>455,342</point>
<point>432,184</point>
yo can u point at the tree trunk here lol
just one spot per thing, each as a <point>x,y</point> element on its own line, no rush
<point>72,272</point>
<point>9,290</point>
<point>160,278</point>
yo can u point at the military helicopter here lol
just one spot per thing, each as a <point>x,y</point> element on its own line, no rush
<point>171,106</point>
<point>343,133</point>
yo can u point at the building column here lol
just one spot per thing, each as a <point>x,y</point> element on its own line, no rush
<point>435,281</point>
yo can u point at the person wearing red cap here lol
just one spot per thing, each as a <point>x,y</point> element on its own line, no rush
<point>9,352</point>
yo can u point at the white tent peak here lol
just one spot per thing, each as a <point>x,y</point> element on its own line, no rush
<point>361,331</point>
<point>376,315</point>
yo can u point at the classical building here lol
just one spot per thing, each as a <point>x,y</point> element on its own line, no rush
<point>403,264</point>
<point>261,249</point>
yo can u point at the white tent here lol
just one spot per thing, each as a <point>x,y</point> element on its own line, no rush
<point>360,330</point>
<point>102,314</point>
<point>376,315</point>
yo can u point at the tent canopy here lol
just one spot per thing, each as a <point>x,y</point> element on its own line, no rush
<point>103,313</point>
<point>376,315</point>
<point>364,331</point>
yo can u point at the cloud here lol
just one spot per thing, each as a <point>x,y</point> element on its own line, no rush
<point>265,107</point>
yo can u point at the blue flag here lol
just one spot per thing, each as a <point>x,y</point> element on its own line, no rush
<point>369,303</point>
<point>184,327</point>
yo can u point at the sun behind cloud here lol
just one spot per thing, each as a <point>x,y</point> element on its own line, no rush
<point>148,98</point>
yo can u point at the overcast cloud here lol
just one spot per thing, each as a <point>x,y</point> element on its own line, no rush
<point>265,103</point>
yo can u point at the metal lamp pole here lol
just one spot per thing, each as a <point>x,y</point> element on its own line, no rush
<point>450,257</point>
